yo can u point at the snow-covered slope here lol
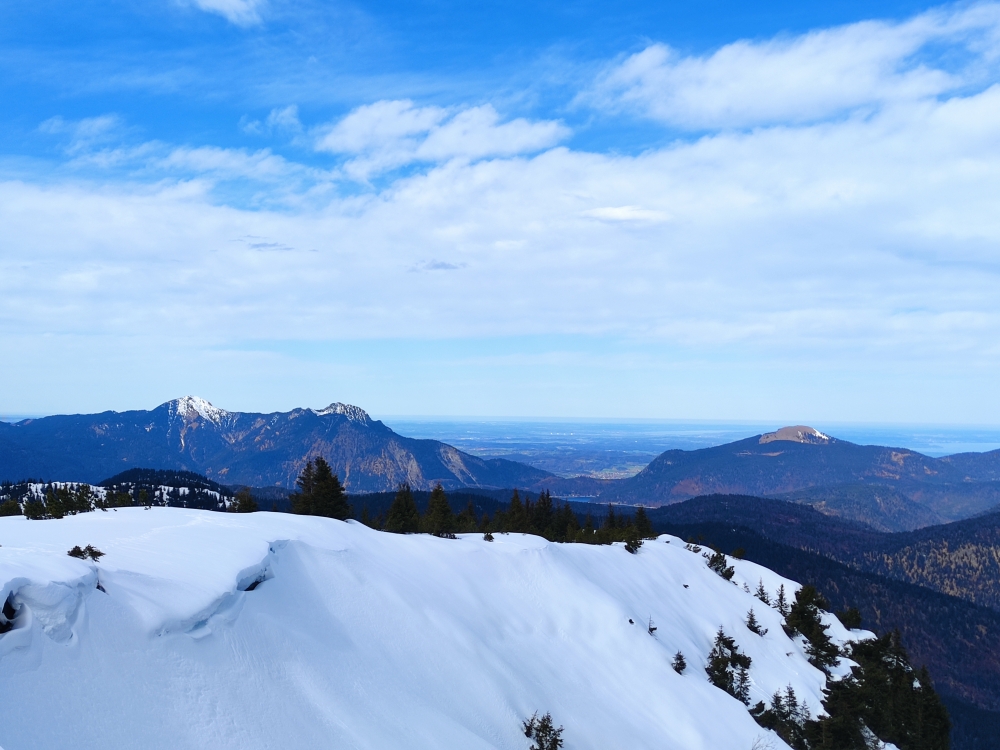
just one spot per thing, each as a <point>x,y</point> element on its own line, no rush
<point>362,639</point>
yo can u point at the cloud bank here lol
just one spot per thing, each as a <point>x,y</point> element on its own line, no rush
<point>823,203</point>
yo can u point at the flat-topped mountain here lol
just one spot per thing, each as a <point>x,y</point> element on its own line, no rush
<point>892,488</point>
<point>190,434</point>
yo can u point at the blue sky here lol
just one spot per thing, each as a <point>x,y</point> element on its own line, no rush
<point>688,211</point>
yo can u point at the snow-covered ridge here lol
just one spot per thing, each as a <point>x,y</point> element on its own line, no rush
<point>190,407</point>
<point>363,639</point>
<point>353,413</point>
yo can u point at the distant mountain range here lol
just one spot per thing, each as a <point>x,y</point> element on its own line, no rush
<point>888,489</point>
<point>234,448</point>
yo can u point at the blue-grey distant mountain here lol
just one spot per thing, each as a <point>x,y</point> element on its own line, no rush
<point>189,434</point>
<point>836,476</point>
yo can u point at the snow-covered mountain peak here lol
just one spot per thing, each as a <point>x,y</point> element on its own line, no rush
<point>353,413</point>
<point>796,434</point>
<point>190,407</point>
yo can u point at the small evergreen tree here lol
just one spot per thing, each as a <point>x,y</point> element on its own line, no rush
<point>753,625</point>
<point>466,520</point>
<point>33,509</point>
<point>610,520</point>
<point>54,505</point>
<point>632,539</point>
<point>569,523</point>
<point>320,492</point>
<point>328,499</point>
<point>787,718</point>
<point>804,617</point>
<point>780,602</point>
<point>542,514</point>
<point>727,668</point>
<point>306,483</point>
<point>850,618</point>
<point>403,517</point>
<point>761,593</point>
<point>679,663</point>
<point>517,515</point>
<point>10,508</point>
<point>439,520</point>
<point>643,525</point>
<point>243,502</point>
<point>543,731</point>
<point>719,564</point>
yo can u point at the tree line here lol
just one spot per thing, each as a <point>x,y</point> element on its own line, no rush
<point>320,493</point>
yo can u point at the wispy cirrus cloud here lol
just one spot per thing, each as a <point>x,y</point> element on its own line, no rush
<point>389,134</point>
<point>279,120</point>
<point>238,12</point>
<point>805,78</point>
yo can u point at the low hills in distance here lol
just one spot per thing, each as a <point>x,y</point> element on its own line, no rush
<point>885,488</point>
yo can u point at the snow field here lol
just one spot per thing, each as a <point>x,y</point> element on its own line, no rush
<point>362,639</point>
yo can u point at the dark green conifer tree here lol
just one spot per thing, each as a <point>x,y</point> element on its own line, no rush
<point>720,565</point>
<point>33,509</point>
<point>727,668</point>
<point>439,519</point>
<point>761,593</point>
<point>568,522</point>
<point>804,617</point>
<point>679,663</point>
<point>243,502</point>
<point>466,522</point>
<point>306,483</point>
<point>10,508</point>
<point>328,498</point>
<point>542,515</point>
<point>544,733</point>
<point>517,516</point>
<point>403,517</point>
<point>54,505</point>
<point>610,520</point>
<point>642,524</point>
<point>632,539</point>
<point>781,602</point>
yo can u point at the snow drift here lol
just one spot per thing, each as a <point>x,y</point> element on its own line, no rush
<point>201,629</point>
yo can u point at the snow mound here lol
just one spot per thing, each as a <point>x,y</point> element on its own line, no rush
<point>199,629</point>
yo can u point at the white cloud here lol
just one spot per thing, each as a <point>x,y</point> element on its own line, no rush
<point>284,120</point>
<point>871,234</point>
<point>625,213</point>
<point>805,78</point>
<point>831,244</point>
<point>389,134</point>
<point>238,12</point>
<point>85,134</point>
<point>258,165</point>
